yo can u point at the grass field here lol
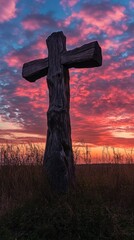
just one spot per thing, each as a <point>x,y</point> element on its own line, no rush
<point>100,207</point>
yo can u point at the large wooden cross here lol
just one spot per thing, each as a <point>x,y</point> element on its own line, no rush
<point>58,157</point>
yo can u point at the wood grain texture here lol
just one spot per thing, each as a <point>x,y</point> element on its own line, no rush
<point>58,158</point>
<point>86,56</point>
<point>34,70</point>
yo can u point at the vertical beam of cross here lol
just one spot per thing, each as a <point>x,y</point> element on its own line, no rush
<point>58,158</point>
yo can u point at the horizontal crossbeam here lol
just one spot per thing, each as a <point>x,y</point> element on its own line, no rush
<point>86,56</point>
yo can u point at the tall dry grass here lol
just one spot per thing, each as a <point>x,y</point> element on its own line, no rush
<point>22,176</point>
<point>100,206</point>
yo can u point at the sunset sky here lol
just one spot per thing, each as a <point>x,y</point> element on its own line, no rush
<point>102,99</point>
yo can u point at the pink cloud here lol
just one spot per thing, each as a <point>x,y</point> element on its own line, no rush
<point>113,14</point>
<point>72,40</point>
<point>15,60</point>
<point>36,21</point>
<point>7,10</point>
<point>93,115</point>
<point>40,46</point>
<point>94,19</point>
<point>130,58</point>
<point>31,24</point>
<point>35,51</point>
<point>68,3</point>
<point>33,92</point>
<point>98,130</point>
<point>117,45</point>
<point>131,4</point>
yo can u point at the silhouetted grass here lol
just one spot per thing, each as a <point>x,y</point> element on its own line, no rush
<point>100,207</point>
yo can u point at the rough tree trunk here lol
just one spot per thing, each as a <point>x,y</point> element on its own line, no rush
<point>58,158</point>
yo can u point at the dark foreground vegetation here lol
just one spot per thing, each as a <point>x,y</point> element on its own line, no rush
<point>100,207</point>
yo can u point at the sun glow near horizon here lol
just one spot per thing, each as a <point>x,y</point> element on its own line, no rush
<point>84,153</point>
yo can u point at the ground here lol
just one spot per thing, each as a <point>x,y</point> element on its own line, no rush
<point>100,206</point>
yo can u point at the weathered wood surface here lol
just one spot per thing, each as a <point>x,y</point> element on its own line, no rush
<point>87,56</point>
<point>34,70</point>
<point>58,158</point>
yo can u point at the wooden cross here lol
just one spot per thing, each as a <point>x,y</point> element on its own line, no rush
<point>58,157</point>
